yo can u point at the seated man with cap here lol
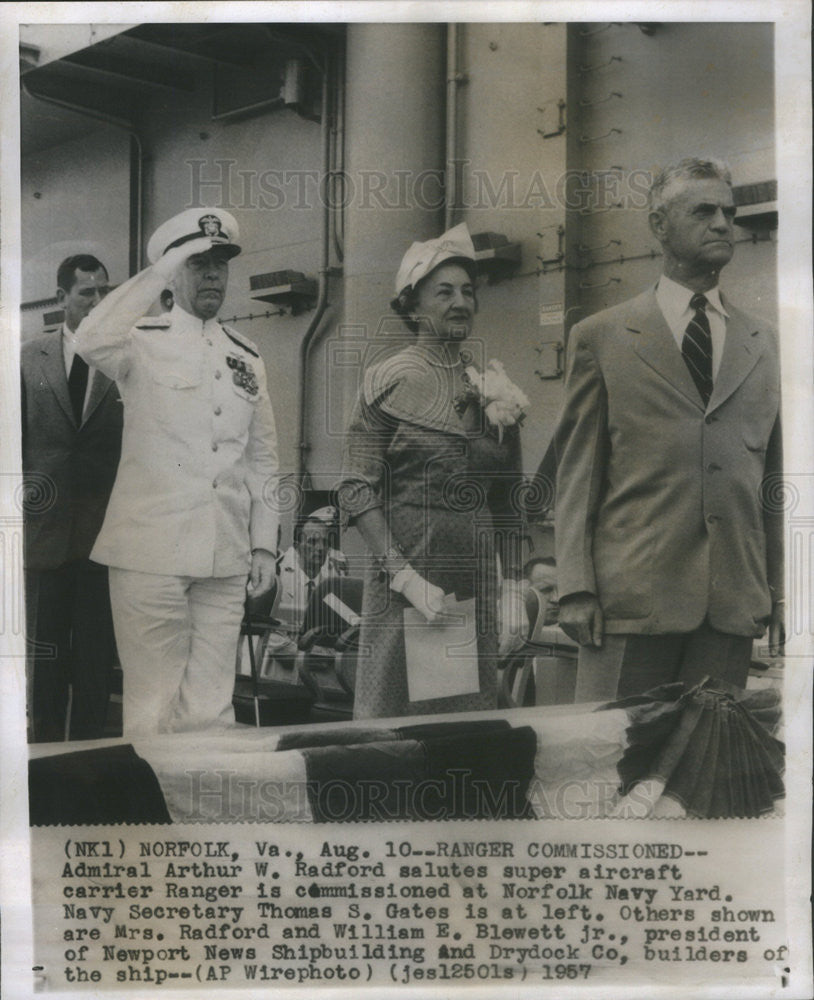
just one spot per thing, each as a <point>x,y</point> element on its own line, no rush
<point>309,561</point>
<point>190,516</point>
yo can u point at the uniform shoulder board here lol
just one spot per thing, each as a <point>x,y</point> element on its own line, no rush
<point>240,343</point>
<point>154,322</point>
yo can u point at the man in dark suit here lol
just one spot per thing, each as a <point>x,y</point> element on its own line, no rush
<point>670,562</point>
<point>72,426</point>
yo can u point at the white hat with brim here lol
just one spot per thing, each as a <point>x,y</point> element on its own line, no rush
<point>422,258</point>
<point>326,515</point>
<point>194,224</point>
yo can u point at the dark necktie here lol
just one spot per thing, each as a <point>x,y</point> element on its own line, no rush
<point>696,347</point>
<point>77,384</point>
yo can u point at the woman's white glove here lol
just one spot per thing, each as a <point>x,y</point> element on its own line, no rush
<point>423,595</point>
<point>169,262</point>
<point>512,620</point>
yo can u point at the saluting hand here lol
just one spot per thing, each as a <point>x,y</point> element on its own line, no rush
<point>168,263</point>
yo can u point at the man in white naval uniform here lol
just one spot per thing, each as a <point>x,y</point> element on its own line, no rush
<point>190,514</point>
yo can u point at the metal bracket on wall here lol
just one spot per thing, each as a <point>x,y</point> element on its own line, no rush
<point>556,370</point>
<point>586,286</point>
<point>581,248</point>
<point>560,120</point>
<point>596,138</point>
<point>596,66</point>
<point>560,246</point>
<point>600,211</point>
<point>587,32</point>
<point>601,100</point>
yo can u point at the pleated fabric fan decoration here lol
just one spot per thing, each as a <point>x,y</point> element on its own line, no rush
<point>711,747</point>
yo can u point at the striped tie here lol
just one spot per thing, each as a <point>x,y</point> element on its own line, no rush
<point>696,348</point>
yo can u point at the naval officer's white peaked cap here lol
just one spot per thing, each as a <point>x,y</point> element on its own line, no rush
<point>192,224</point>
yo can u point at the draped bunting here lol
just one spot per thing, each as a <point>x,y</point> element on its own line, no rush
<point>709,750</point>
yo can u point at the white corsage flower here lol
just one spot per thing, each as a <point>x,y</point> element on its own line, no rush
<point>503,402</point>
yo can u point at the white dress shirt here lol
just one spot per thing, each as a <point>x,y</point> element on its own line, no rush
<point>294,591</point>
<point>674,302</point>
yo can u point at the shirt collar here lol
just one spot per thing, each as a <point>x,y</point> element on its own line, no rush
<point>182,320</point>
<point>674,299</point>
<point>68,341</point>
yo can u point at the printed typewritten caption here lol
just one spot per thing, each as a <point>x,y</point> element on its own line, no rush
<point>438,905</point>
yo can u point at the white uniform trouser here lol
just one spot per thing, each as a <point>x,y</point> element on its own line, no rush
<point>176,637</point>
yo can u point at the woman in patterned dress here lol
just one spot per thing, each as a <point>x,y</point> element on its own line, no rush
<point>431,485</point>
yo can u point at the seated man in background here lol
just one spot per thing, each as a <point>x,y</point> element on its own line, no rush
<point>305,564</point>
<point>540,573</point>
<point>309,561</point>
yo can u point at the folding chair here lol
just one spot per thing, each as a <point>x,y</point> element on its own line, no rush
<point>258,701</point>
<point>328,646</point>
<point>543,670</point>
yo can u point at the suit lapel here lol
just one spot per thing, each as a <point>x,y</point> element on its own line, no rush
<point>743,345</point>
<point>653,341</point>
<point>53,368</point>
<point>99,388</point>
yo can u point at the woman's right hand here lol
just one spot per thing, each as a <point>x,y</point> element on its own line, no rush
<point>423,595</point>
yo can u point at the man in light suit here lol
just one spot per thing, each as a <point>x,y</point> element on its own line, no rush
<point>670,560</point>
<point>72,427</point>
<point>191,516</point>
<point>306,563</point>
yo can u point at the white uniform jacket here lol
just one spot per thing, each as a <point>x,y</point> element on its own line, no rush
<point>196,481</point>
